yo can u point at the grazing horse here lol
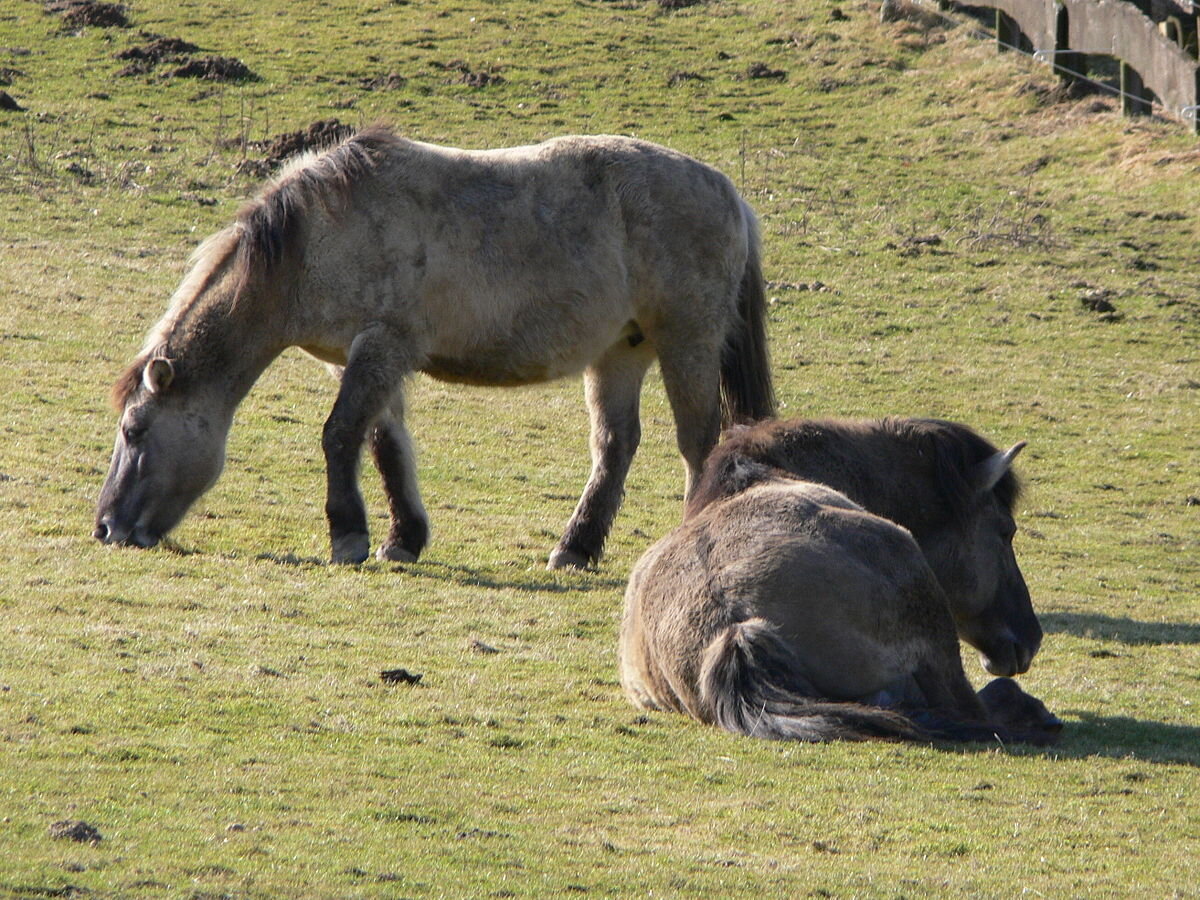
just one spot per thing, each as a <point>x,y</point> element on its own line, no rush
<point>820,580</point>
<point>384,256</point>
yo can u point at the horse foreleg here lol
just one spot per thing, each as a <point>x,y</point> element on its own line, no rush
<point>612,387</point>
<point>374,368</point>
<point>392,449</point>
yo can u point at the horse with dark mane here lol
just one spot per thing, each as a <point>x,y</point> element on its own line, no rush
<point>820,581</point>
<point>384,256</point>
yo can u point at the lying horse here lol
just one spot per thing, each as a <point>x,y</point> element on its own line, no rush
<point>384,257</point>
<point>819,582</point>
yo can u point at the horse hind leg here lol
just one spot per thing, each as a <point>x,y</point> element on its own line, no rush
<point>691,377</point>
<point>392,450</point>
<point>612,387</point>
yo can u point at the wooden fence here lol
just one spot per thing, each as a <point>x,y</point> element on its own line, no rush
<point>1155,41</point>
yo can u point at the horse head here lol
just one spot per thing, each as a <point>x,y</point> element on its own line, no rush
<point>170,448</point>
<point>973,558</point>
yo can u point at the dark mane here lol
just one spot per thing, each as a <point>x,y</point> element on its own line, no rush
<point>846,452</point>
<point>270,223</point>
<point>956,450</point>
<point>127,382</point>
<point>268,229</point>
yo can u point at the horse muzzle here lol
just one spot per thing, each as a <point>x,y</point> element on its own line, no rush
<point>1007,658</point>
<point>108,531</point>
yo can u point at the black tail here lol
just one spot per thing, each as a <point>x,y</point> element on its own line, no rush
<point>747,393</point>
<point>749,684</point>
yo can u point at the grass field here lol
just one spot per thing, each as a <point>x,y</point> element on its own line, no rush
<point>944,235</point>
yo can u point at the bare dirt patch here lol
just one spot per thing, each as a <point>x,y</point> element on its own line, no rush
<point>215,68</point>
<point>75,830</point>
<point>476,78</point>
<point>317,136</point>
<point>762,70</point>
<point>83,13</point>
<point>156,50</point>
<point>389,82</point>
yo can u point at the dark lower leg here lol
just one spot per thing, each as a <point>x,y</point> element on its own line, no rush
<point>409,530</point>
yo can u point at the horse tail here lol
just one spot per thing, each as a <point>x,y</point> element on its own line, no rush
<point>747,393</point>
<point>750,684</point>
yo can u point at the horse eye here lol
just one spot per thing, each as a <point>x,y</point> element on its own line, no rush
<point>133,433</point>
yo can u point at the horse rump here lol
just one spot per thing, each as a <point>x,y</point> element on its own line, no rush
<point>750,684</point>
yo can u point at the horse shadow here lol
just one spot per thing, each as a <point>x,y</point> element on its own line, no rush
<point>1123,630</point>
<point>1125,738</point>
<point>467,576</point>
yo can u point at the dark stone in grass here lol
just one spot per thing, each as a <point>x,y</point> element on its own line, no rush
<point>399,676</point>
<point>7,102</point>
<point>75,830</point>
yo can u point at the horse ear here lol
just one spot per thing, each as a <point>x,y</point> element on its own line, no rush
<point>989,472</point>
<point>158,374</point>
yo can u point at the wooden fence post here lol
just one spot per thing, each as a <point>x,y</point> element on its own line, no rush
<point>1006,32</point>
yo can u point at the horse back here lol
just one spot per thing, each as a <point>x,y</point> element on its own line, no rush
<point>525,264</point>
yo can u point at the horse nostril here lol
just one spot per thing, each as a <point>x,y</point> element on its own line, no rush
<point>101,532</point>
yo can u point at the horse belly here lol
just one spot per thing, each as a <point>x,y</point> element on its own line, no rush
<point>529,352</point>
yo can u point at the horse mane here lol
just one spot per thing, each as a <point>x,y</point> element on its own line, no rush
<point>269,224</point>
<point>956,450</point>
<point>749,455</point>
<point>268,229</point>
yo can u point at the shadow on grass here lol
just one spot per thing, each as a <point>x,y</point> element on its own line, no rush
<point>1123,737</point>
<point>1127,631</point>
<point>466,576</point>
<point>550,582</point>
<point>1088,736</point>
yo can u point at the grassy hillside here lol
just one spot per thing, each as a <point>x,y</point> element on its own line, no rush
<point>944,235</point>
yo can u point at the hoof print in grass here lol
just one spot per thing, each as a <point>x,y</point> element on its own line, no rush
<point>399,676</point>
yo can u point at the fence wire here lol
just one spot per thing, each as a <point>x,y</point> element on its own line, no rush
<point>1187,114</point>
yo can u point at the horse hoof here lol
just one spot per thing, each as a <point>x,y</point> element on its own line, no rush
<point>567,559</point>
<point>394,553</point>
<point>351,549</point>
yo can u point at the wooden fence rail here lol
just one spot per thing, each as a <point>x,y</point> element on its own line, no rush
<point>1152,40</point>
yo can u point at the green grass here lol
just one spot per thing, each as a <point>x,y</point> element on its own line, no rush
<point>215,708</point>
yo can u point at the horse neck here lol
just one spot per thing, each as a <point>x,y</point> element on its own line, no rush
<point>884,479</point>
<point>224,340</point>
